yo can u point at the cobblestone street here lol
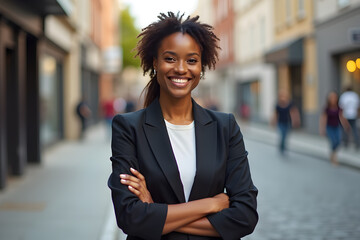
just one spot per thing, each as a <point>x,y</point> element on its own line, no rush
<point>303,198</point>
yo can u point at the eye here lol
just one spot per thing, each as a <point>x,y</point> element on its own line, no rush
<point>192,60</point>
<point>169,59</point>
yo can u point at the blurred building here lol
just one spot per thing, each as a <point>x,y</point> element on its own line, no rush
<point>50,58</point>
<point>294,54</point>
<point>337,24</point>
<point>302,46</point>
<point>110,48</point>
<point>255,79</point>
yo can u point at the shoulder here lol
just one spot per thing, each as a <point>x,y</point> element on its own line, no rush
<point>216,115</point>
<point>130,118</point>
<point>223,119</point>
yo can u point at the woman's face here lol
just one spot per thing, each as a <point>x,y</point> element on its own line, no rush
<point>178,65</point>
<point>333,98</point>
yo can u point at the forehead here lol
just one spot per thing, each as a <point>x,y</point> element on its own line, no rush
<point>179,42</point>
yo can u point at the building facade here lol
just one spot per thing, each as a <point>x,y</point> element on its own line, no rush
<point>50,58</point>
<point>110,50</point>
<point>337,24</point>
<point>294,54</point>
<point>255,80</point>
<point>22,44</point>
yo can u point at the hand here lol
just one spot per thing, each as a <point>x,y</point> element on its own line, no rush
<point>137,185</point>
<point>221,202</point>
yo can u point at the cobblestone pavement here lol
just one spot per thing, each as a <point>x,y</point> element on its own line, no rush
<point>303,198</point>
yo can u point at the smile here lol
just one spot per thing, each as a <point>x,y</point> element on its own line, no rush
<point>179,80</point>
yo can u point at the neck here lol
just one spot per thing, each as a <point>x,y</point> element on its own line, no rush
<point>177,111</point>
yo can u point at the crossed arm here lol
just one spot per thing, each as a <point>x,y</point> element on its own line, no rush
<point>187,217</point>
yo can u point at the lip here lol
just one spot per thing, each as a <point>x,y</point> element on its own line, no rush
<point>179,82</point>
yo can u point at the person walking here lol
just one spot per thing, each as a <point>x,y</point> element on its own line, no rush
<point>108,112</point>
<point>350,103</point>
<point>330,124</point>
<point>173,159</point>
<point>286,116</point>
<point>84,113</point>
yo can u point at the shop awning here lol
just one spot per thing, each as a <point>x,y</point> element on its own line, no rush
<point>48,7</point>
<point>286,52</point>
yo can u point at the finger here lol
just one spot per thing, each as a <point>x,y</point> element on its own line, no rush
<point>131,183</point>
<point>129,177</point>
<point>137,174</point>
<point>133,190</point>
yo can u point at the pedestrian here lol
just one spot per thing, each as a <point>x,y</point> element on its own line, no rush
<point>108,112</point>
<point>350,103</point>
<point>330,124</point>
<point>173,159</point>
<point>83,112</point>
<point>286,116</point>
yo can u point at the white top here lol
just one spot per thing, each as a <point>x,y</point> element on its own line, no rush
<point>182,138</point>
<point>349,102</point>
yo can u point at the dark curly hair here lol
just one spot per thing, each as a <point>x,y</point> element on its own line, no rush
<point>152,35</point>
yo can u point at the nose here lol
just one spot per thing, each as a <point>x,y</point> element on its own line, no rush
<point>181,67</point>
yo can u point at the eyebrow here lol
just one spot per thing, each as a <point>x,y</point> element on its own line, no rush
<point>173,53</point>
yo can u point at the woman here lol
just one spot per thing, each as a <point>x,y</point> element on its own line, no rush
<point>173,159</point>
<point>331,119</point>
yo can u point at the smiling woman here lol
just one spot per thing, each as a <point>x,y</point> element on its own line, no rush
<point>173,159</point>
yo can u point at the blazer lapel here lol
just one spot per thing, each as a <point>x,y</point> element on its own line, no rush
<point>157,136</point>
<point>206,150</point>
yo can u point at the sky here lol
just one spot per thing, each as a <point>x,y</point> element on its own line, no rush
<point>146,11</point>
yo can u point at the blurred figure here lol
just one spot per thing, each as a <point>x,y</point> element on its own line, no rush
<point>211,103</point>
<point>119,105</point>
<point>108,112</point>
<point>330,123</point>
<point>245,111</point>
<point>286,116</point>
<point>349,102</point>
<point>130,105</point>
<point>83,112</point>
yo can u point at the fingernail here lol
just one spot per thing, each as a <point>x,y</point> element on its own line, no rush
<point>123,175</point>
<point>123,180</point>
<point>133,170</point>
<point>130,187</point>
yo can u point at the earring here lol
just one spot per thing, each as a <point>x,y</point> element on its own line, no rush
<point>154,72</point>
<point>201,75</point>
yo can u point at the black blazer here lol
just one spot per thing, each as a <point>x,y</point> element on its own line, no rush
<point>140,140</point>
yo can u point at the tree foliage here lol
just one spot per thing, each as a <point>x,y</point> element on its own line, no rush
<point>128,38</point>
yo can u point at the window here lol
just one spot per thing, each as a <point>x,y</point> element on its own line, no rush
<point>288,11</point>
<point>343,3</point>
<point>301,9</point>
<point>262,34</point>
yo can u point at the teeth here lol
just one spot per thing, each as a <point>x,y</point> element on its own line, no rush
<point>179,80</point>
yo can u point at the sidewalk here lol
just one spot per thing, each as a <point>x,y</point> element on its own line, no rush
<point>300,142</point>
<point>66,197</point>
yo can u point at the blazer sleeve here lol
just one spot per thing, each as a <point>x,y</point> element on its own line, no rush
<point>241,217</point>
<point>134,217</point>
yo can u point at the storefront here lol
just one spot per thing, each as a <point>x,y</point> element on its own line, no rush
<point>338,51</point>
<point>349,65</point>
<point>51,95</point>
<point>248,102</point>
<point>18,93</point>
<point>288,58</point>
<point>21,30</point>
